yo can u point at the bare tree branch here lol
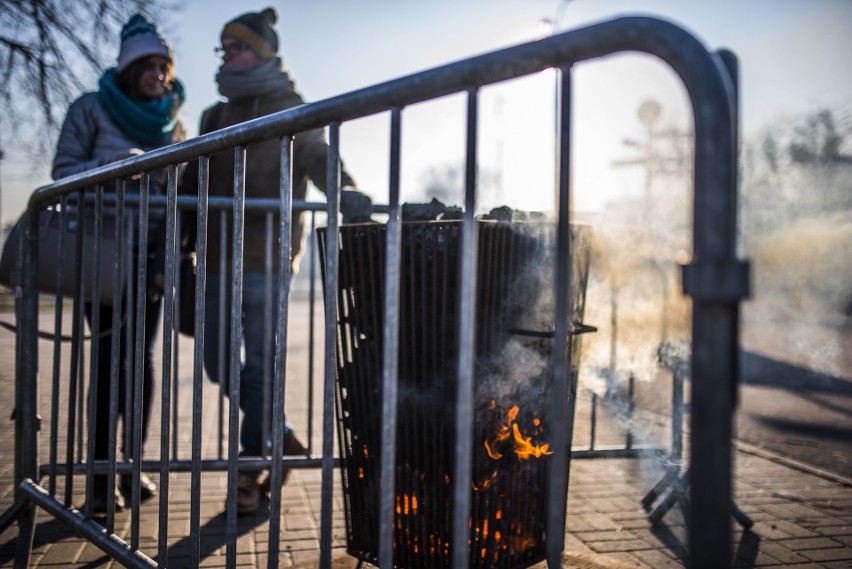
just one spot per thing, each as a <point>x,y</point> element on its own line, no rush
<point>47,58</point>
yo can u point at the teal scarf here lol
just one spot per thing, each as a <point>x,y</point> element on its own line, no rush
<point>152,122</point>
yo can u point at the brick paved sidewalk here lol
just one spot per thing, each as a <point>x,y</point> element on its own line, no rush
<point>802,519</point>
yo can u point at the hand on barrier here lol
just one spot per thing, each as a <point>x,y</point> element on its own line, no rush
<point>355,206</point>
<point>129,153</point>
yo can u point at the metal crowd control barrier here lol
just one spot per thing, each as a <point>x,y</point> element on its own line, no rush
<point>715,280</point>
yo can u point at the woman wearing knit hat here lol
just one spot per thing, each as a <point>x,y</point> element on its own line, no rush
<point>133,111</point>
<point>253,79</point>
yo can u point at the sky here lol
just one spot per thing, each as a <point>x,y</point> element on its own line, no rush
<point>793,56</point>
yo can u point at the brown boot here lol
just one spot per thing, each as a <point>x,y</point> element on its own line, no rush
<point>248,495</point>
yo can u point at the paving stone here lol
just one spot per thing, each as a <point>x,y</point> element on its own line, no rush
<point>656,559</point>
<point>834,554</point>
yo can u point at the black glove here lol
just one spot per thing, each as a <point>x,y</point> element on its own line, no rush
<point>355,206</point>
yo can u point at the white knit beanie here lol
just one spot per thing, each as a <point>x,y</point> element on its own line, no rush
<point>140,37</point>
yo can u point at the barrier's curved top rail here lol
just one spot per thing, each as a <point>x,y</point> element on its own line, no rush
<point>707,84</point>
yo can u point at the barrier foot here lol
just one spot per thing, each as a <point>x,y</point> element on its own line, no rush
<point>677,493</point>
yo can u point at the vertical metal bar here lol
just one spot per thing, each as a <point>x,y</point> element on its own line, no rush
<point>81,374</point>
<point>466,338</point>
<point>26,392</point>
<point>130,331</point>
<point>631,408</point>
<point>236,337</point>
<point>677,416</point>
<point>94,347</point>
<point>139,368</point>
<point>312,297</point>
<point>285,214</point>
<point>715,333</point>
<point>76,352</point>
<point>267,327</point>
<point>57,349</point>
<point>390,379</point>
<point>331,270</point>
<point>594,421</point>
<point>223,277</point>
<point>198,363</point>
<point>175,332</point>
<point>166,387</point>
<point>81,392</point>
<point>115,343</point>
<point>563,395</point>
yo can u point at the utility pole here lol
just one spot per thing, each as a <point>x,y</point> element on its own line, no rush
<point>654,155</point>
<point>661,152</point>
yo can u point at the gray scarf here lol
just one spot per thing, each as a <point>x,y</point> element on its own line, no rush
<point>268,77</point>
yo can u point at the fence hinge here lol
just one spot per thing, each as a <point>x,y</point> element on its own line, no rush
<point>715,281</point>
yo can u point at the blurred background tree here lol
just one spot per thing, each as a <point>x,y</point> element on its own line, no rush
<point>50,52</point>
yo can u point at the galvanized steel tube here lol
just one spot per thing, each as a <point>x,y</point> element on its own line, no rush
<point>466,341</point>
<point>390,379</point>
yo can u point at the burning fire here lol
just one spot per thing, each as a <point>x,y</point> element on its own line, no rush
<point>523,445</point>
<point>512,438</point>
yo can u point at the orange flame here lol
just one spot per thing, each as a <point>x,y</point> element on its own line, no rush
<point>496,455</point>
<point>524,447</point>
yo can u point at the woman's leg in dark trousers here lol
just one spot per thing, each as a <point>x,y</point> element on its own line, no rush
<point>126,371</point>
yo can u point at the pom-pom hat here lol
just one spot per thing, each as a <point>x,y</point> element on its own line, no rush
<point>140,37</point>
<point>257,30</point>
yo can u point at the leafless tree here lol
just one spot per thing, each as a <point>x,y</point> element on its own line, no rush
<point>50,52</point>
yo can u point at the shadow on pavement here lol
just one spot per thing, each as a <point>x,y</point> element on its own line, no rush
<point>214,537</point>
<point>673,543</point>
<point>756,369</point>
<point>822,432</point>
<point>747,550</point>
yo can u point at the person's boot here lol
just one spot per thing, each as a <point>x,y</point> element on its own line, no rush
<point>248,495</point>
<point>99,497</point>
<point>293,446</point>
<point>147,487</point>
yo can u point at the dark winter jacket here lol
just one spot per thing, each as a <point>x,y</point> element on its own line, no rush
<point>263,167</point>
<point>89,137</point>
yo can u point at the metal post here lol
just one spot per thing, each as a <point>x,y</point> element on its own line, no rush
<point>285,223</point>
<point>166,387</point>
<point>564,388</point>
<point>26,394</point>
<point>390,378</point>
<point>236,343</point>
<point>466,339</point>
<point>198,363</point>
<point>331,271</point>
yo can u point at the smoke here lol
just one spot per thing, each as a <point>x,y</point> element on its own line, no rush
<point>796,204</point>
<point>634,294</point>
